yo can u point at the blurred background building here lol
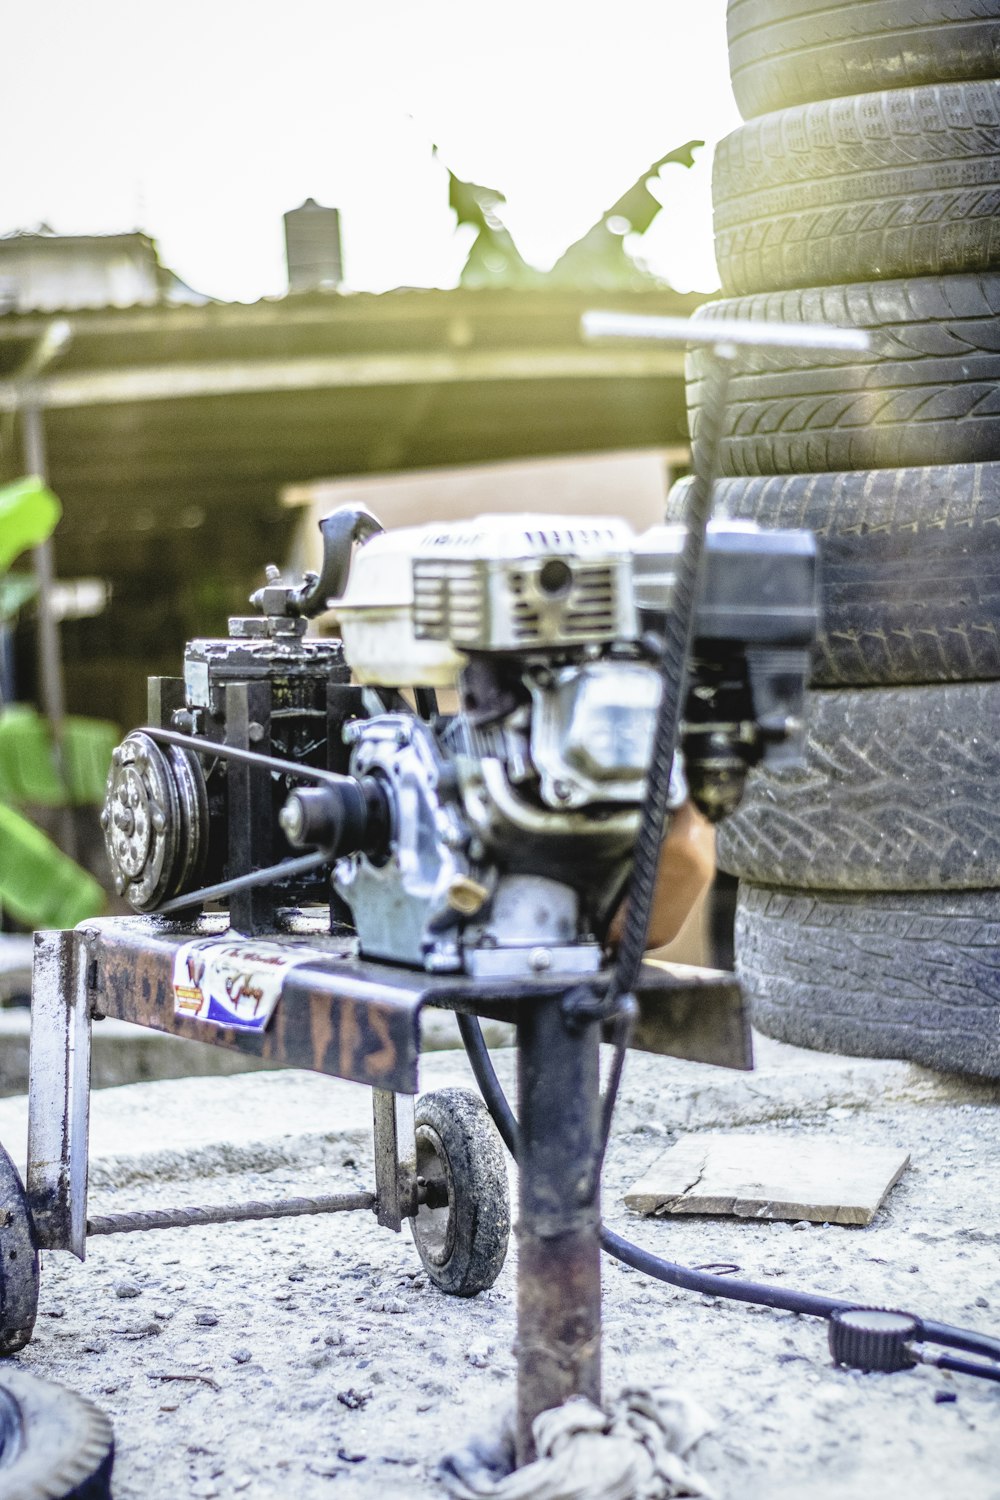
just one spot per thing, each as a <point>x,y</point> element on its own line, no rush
<point>173,422</point>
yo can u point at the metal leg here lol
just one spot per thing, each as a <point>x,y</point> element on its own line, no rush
<point>248,727</point>
<point>395,1157</point>
<point>59,1092</point>
<point>559,1257</point>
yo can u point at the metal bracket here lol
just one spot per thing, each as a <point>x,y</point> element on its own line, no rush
<point>59,1091</point>
<point>395,1158</point>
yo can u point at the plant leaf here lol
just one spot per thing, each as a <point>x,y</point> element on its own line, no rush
<point>28,515</point>
<point>27,767</point>
<point>39,884</point>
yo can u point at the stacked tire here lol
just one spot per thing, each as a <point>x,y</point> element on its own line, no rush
<point>864,190</point>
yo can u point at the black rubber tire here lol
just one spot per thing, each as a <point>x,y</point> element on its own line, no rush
<point>785,52</point>
<point>898,793</point>
<point>18,1262</point>
<point>914,975</point>
<point>54,1445</point>
<point>899,183</point>
<point>463,1246</point>
<point>928,392</point>
<point>909,567</point>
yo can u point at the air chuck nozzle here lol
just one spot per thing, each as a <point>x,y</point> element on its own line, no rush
<point>337,819</point>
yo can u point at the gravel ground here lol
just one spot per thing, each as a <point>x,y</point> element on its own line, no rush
<point>307,1358</point>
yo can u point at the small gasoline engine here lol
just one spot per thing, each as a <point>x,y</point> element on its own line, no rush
<point>490,831</point>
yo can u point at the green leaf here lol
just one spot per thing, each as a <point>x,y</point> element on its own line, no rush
<point>637,204</point>
<point>27,766</point>
<point>28,515</point>
<point>39,884</point>
<point>599,258</point>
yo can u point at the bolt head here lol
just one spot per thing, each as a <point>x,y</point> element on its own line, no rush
<point>539,960</point>
<point>291,819</point>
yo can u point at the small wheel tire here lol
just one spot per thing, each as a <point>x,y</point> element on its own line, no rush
<point>18,1262</point>
<point>54,1445</point>
<point>462,1241</point>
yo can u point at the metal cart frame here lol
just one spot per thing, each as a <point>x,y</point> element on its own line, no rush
<point>361,1021</point>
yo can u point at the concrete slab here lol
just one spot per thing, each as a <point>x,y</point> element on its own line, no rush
<point>192,1127</point>
<point>201,1126</point>
<point>269,1359</point>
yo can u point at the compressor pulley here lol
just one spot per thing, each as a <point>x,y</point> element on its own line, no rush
<point>155,821</point>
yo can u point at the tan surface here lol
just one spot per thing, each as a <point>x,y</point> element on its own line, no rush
<point>631,483</point>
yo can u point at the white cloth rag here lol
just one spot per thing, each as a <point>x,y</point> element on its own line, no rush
<point>635,1449</point>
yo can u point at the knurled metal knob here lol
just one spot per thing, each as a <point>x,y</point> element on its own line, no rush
<point>873,1338</point>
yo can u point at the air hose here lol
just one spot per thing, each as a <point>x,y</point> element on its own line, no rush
<point>864,1338</point>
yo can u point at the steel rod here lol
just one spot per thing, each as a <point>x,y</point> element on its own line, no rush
<point>619,325</point>
<point>228,1213</point>
<point>51,680</point>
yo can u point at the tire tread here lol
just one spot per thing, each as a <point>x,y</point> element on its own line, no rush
<point>908,975</point>
<point>927,393</point>
<point>901,182</point>
<point>898,792</point>
<point>789,53</point>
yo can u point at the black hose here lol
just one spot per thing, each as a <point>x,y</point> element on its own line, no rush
<point>965,1367</point>
<point>734,1289</point>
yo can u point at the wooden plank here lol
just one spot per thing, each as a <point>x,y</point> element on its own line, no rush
<point>769,1177</point>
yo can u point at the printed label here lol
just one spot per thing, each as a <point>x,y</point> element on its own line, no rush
<point>233,982</point>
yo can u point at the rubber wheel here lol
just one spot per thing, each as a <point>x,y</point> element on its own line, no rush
<point>903,182</point>
<point>463,1240</point>
<point>898,792</point>
<point>909,566</point>
<point>913,975</point>
<point>790,51</point>
<point>54,1445</point>
<point>18,1262</point>
<point>926,393</point>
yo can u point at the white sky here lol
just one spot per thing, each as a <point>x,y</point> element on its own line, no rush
<point>202,121</point>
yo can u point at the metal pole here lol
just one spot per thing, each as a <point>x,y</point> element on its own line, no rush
<point>559,1256</point>
<point>50,671</point>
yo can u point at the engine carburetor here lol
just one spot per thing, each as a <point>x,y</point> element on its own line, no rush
<point>490,834</point>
